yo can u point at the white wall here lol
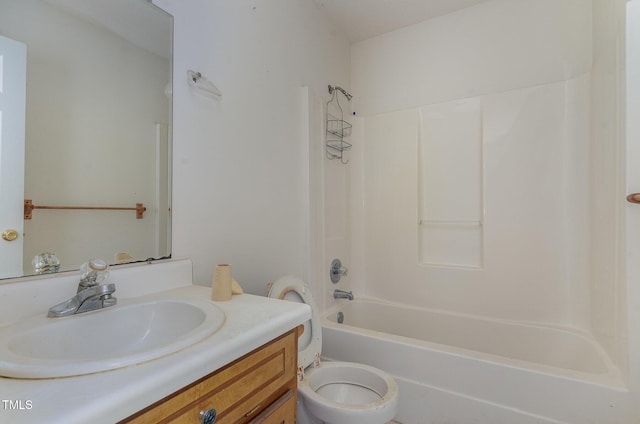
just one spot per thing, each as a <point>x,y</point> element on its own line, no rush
<point>90,137</point>
<point>492,47</point>
<point>526,66</point>
<point>608,312</point>
<point>632,244</point>
<point>241,164</point>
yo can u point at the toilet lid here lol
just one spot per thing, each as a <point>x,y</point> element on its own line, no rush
<point>310,342</point>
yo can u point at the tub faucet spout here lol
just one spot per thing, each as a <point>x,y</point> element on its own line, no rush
<point>341,294</point>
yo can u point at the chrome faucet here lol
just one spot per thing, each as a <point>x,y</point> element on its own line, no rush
<point>91,294</point>
<point>341,294</point>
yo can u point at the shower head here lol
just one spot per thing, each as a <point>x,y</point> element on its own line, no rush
<point>347,95</point>
<point>342,90</point>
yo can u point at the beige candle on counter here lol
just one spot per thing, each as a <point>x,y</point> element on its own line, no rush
<point>221,286</point>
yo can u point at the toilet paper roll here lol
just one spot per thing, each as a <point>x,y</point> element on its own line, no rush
<point>235,287</point>
<point>221,286</point>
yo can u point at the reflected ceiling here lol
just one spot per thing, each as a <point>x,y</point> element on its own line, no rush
<point>127,18</point>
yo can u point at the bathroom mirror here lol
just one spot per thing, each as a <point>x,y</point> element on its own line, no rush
<point>97,132</point>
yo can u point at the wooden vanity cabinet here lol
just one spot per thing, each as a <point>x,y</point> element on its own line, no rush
<point>258,388</point>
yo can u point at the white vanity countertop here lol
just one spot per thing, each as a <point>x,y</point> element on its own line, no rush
<point>108,397</point>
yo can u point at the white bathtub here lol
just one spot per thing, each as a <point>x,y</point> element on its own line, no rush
<point>459,369</point>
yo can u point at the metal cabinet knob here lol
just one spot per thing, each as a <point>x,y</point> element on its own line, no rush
<point>208,416</point>
<point>9,235</point>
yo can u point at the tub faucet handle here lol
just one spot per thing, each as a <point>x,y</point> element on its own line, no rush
<point>337,271</point>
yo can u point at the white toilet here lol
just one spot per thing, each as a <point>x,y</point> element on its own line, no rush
<point>334,392</point>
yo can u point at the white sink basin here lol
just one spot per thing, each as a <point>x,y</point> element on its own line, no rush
<point>128,333</point>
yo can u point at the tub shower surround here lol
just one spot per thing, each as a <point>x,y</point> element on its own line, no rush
<point>486,192</point>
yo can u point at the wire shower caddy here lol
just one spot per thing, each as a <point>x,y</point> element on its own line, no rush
<point>337,127</point>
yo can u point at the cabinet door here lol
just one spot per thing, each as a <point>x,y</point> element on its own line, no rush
<point>239,392</point>
<point>282,411</point>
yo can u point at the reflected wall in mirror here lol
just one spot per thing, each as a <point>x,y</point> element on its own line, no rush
<point>97,130</point>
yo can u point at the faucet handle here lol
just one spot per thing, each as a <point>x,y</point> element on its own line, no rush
<point>92,273</point>
<point>337,271</point>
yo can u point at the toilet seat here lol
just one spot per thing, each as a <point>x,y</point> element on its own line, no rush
<point>335,392</point>
<point>310,342</point>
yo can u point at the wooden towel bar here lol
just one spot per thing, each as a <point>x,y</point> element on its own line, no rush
<point>29,207</point>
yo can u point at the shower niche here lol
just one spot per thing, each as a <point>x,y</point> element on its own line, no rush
<point>450,215</point>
